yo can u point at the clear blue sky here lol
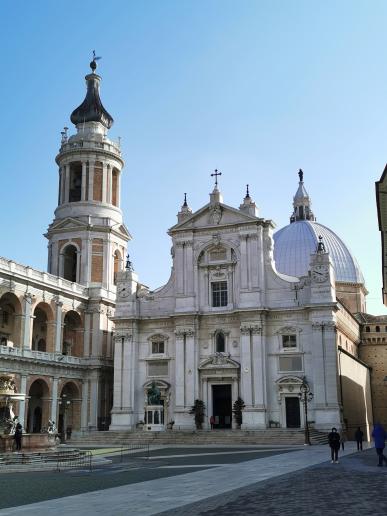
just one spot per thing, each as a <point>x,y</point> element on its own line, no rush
<point>256,89</point>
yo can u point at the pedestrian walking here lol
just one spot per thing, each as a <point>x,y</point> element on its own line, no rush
<point>334,443</point>
<point>359,439</point>
<point>379,435</point>
<point>18,436</point>
<point>212,422</point>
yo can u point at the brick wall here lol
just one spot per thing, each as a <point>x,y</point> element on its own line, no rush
<point>97,187</point>
<point>97,260</point>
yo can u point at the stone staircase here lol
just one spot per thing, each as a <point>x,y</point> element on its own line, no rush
<point>60,458</point>
<point>270,436</point>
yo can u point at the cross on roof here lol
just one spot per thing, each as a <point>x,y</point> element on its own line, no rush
<point>216,174</point>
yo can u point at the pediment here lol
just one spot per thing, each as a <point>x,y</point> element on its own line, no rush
<point>123,230</point>
<point>67,223</point>
<point>214,215</point>
<point>219,361</point>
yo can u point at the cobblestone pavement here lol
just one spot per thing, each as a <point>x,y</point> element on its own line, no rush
<point>354,486</point>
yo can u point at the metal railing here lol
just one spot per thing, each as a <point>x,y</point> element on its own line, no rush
<point>80,460</point>
<point>131,448</point>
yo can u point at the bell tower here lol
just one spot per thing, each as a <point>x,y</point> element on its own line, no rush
<point>88,239</point>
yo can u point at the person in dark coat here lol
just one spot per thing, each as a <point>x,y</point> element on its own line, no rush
<point>18,436</point>
<point>359,438</point>
<point>379,436</point>
<point>334,443</point>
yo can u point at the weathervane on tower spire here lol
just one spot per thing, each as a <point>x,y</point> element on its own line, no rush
<point>216,174</point>
<point>93,64</point>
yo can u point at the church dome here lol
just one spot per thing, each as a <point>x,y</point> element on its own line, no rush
<point>294,243</point>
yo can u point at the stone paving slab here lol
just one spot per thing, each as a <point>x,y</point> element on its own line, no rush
<point>167,494</point>
<point>355,486</point>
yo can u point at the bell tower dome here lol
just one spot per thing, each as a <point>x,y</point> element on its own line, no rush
<point>88,239</point>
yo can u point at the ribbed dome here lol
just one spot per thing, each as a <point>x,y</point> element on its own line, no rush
<point>294,244</point>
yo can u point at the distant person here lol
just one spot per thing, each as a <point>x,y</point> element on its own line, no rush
<point>342,440</point>
<point>379,436</point>
<point>212,422</point>
<point>359,438</point>
<point>334,443</point>
<point>18,436</point>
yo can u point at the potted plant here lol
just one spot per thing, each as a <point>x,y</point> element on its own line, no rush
<point>238,406</point>
<point>197,410</point>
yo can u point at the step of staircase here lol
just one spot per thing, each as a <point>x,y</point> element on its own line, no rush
<point>272,436</point>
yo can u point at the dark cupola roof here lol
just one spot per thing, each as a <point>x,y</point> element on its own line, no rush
<point>91,109</point>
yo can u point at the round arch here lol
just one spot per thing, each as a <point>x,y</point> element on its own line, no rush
<point>69,262</point>
<point>10,320</point>
<point>38,406</point>
<point>73,333</point>
<point>43,332</point>
<point>69,415</point>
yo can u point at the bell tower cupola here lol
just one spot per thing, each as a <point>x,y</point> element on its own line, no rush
<point>88,239</point>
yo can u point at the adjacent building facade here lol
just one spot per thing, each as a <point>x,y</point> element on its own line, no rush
<point>55,327</point>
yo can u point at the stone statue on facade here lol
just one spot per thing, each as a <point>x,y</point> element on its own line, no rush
<point>154,395</point>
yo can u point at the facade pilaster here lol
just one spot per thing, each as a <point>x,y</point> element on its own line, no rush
<point>246,384</point>
<point>84,186</point>
<point>58,327</point>
<point>190,368</point>
<point>54,399</point>
<point>179,369</point>
<point>91,180</point>
<point>67,183</point>
<point>94,402</point>
<point>85,405</point>
<point>22,402</point>
<point>104,182</point>
<point>27,327</point>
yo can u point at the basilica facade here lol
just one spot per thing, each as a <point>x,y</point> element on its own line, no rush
<point>244,315</point>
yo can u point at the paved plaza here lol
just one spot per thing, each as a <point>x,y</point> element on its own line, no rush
<point>207,480</point>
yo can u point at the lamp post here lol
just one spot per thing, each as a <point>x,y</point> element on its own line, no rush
<point>306,396</point>
<point>65,404</point>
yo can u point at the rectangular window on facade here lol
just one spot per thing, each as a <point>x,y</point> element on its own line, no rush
<point>289,341</point>
<point>158,368</point>
<point>219,293</point>
<point>157,348</point>
<point>292,363</point>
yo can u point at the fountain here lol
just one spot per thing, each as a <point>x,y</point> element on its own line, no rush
<point>8,420</point>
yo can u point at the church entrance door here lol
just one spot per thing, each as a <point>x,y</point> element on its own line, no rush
<point>221,406</point>
<point>293,419</point>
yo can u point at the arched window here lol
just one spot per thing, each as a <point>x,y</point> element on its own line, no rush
<point>377,328</point>
<point>73,335</point>
<point>220,346</point>
<point>70,263</point>
<point>367,328</point>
